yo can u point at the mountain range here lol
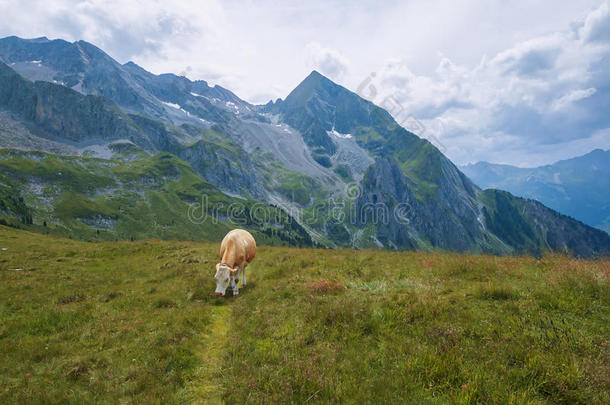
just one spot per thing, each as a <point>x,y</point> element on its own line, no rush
<point>95,149</point>
<point>578,187</point>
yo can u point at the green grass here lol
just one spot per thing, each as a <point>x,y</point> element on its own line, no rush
<point>296,187</point>
<point>121,322</point>
<point>291,185</point>
<point>101,323</point>
<point>505,220</point>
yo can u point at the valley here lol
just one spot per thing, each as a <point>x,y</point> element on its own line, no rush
<point>322,143</point>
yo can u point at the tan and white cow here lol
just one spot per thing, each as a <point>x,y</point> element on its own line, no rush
<point>237,250</point>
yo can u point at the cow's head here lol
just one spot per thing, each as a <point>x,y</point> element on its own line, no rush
<point>223,277</point>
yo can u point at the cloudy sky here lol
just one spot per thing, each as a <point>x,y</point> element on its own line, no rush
<point>520,82</point>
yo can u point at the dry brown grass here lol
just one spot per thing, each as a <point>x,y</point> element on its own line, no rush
<point>323,286</point>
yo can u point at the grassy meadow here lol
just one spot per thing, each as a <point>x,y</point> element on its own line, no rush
<point>137,322</point>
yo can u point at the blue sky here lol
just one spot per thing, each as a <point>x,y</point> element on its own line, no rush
<point>520,82</point>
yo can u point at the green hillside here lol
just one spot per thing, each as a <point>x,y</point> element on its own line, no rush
<point>130,197</point>
<point>137,322</point>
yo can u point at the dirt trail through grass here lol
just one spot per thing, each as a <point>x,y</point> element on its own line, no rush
<point>206,388</point>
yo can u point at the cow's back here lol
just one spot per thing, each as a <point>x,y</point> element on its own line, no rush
<point>237,246</point>
<point>249,245</point>
<point>245,239</point>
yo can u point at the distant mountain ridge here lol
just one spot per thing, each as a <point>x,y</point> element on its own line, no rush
<point>85,68</point>
<point>578,187</point>
<point>317,146</point>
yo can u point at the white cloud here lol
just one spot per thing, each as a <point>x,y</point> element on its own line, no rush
<point>571,97</point>
<point>327,61</point>
<point>597,25</point>
<point>528,58</point>
<point>125,29</point>
<point>541,94</point>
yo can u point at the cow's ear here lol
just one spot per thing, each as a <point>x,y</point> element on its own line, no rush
<point>233,271</point>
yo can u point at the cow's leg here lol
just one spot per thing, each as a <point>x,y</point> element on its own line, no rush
<point>243,276</point>
<point>234,282</point>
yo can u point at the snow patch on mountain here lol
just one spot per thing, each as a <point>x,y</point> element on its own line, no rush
<point>176,106</point>
<point>199,95</point>
<point>334,132</point>
<point>232,106</point>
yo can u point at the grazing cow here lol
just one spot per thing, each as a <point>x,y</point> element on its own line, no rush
<point>237,250</point>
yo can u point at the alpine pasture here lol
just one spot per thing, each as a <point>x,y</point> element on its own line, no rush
<point>138,322</point>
